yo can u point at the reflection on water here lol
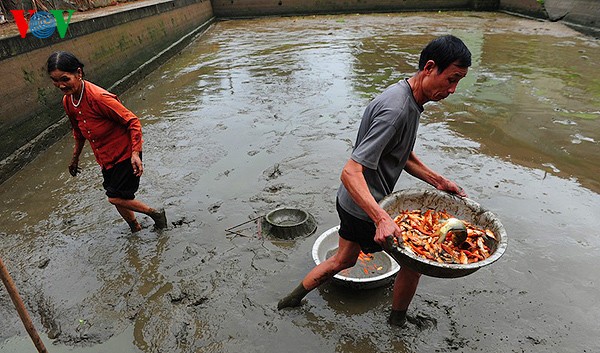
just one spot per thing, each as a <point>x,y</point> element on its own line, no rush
<point>535,102</point>
<point>259,114</point>
<point>528,98</point>
<point>532,95</point>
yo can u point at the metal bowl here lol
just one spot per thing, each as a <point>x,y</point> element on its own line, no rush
<point>463,208</point>
<point>288,223</point>
<point>327,243</point>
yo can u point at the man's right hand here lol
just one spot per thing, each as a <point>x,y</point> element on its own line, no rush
<point>385,228</point>
<point>74,168</point>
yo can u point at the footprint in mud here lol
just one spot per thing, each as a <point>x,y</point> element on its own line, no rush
<point>181,221</point>
<point>215,207</point>
<point>422,322</point>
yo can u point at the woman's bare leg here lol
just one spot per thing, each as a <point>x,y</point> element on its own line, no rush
<point>129,217</point>
<point>127,207</point>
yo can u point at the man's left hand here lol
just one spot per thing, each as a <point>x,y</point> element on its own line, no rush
<point>451,187</point>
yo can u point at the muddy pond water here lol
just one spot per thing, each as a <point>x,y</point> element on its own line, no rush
<point>260,114</point>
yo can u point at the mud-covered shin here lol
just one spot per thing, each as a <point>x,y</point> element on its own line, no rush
<point>293,299</point>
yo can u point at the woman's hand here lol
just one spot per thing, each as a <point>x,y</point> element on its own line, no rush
<point>74,167</point>
<point>136,163</point>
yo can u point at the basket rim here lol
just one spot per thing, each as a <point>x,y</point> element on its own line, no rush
<point>471,204</point>
<point>305,217</point>
<point>394,268</point>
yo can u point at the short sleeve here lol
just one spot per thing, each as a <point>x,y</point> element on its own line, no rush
<point>369,150</point>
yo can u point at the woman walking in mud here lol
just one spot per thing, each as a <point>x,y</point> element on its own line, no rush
<point>114,133</point>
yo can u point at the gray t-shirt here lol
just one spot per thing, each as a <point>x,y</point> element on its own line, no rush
<point>386,136</point>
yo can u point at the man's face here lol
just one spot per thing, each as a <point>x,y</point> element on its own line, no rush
<point>439,85</point>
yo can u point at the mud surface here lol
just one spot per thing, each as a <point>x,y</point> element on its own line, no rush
<point>260,114</point>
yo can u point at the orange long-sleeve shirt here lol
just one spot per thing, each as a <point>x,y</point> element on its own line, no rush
<point>112,130</point>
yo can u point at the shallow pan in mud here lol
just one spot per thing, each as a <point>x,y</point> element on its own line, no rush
<point>374,271</point>
<point>288,223</point>
<point>462,208</point>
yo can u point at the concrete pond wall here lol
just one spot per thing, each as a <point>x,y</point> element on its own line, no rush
<point>252,8</point>
<point>122,47</point>
<point>582,15</point>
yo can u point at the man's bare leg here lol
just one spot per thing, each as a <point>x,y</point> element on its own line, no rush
<point>405,287</point>
<point>345,257</point>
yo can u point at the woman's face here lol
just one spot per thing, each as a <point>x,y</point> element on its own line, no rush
<point>67,82</point>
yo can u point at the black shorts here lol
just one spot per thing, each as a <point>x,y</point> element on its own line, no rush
<point>120,181</point>
<point>357,230</point>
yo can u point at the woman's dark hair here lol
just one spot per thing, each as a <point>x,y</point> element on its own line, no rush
<point>64,61</point>
<point>444,51</point>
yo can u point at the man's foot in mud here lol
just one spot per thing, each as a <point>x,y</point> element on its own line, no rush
<point>289,303</point>
<point>294,299</point>
<point>397,318</point>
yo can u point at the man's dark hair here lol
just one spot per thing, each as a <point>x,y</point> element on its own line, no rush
<point>444,51</point>
<point>64,61</point>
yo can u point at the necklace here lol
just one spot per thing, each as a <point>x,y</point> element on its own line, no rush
<point>80,95</point>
